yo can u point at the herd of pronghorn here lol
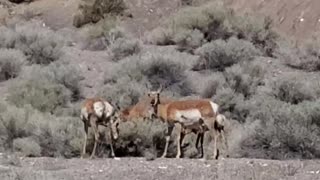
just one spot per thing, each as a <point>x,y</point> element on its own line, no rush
<point>197,116</point>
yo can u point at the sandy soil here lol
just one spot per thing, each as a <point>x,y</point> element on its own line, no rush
<point>139,168</point>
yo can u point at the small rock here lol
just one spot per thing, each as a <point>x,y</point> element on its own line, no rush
<point>163,167</point>
<point>100,171</point>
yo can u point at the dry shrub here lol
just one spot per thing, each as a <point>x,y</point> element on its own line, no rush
<point>304,57</point>
<point>48,88</point>
<point>33,133</point>
<point>139,137</point>
<point>220,54</point>
<point>215,21</point>
<point>11,62</point>
<point>39,44</point>
<point>122,48</point>
<point>92,11</point>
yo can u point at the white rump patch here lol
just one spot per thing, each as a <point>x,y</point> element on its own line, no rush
<point>98,108</point>
<point>191,116</point>
<point>221,119</point>
<point>215,107</point>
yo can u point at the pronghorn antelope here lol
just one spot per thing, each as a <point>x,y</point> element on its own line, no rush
<point>142,109</point>
<point>189,116</point>
<point>95,112</point>
<point>139,110</point>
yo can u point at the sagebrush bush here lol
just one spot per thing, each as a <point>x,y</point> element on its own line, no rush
<point>244,78</point>
<point>11,62</point>
<point>47,88</point>
<point>220,54</point>
<point>26,130</point>
<point>215,21</point>
<point>139,137</point>
<point>286,131</point>
<point>122,48</point>
<point>27,146</point>
<point>92,11</point>
<point>167,68</point>
<point>39,44</point>
<point>292,88</point>
<point>42,94</point>
<point>303,57</point>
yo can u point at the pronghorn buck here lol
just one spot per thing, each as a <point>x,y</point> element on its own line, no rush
<point>187,116</point>
<point>95,112</point>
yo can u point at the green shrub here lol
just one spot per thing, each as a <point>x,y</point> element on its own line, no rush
<point>11,62</point>
<point>140,137</point>
<point>39,44</point>
<point>304,57</point>
<point>27,146</point>
<point>39,134</point>
<point>220,54</point>
<point>42,94</point>
<point>122,48</point>
<point>92,11</point>
<point>286,131</point>
<point>292,88</point>
<point>215,21</point>
<point>47,88</point>
<point>245,78</point>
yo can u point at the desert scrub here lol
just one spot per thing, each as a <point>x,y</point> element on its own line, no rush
<point>138,137</point>
<point>215,21</point>
<point>40,45</point>
<point>92,11</point>
<point>33,133</point>
<point>46,88</point>
<point>219,54</point>
<point>11,62</point>
<point>303,56</point>
<point>122,48</point>
<point>130,75</point>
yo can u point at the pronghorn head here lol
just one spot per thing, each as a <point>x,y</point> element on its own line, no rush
<point>155,96</point>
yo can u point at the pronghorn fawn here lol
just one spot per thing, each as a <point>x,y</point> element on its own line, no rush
<point>139,110</point>
<point>197,116</point>
<point>95,112</point>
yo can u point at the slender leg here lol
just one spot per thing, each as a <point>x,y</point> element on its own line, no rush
<point>215,153</point>
<point>93,123</point>
<point>170,128</point>
<point>85,139</point>
<point>111,142</point>
<point>201,144</point>
<point>198,138</point>
<point>180,137</point>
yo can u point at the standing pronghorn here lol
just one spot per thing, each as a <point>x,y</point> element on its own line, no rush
<point>95,112</point>
<point>189,115</point>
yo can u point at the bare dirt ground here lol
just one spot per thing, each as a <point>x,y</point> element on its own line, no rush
<point>139,168</point>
